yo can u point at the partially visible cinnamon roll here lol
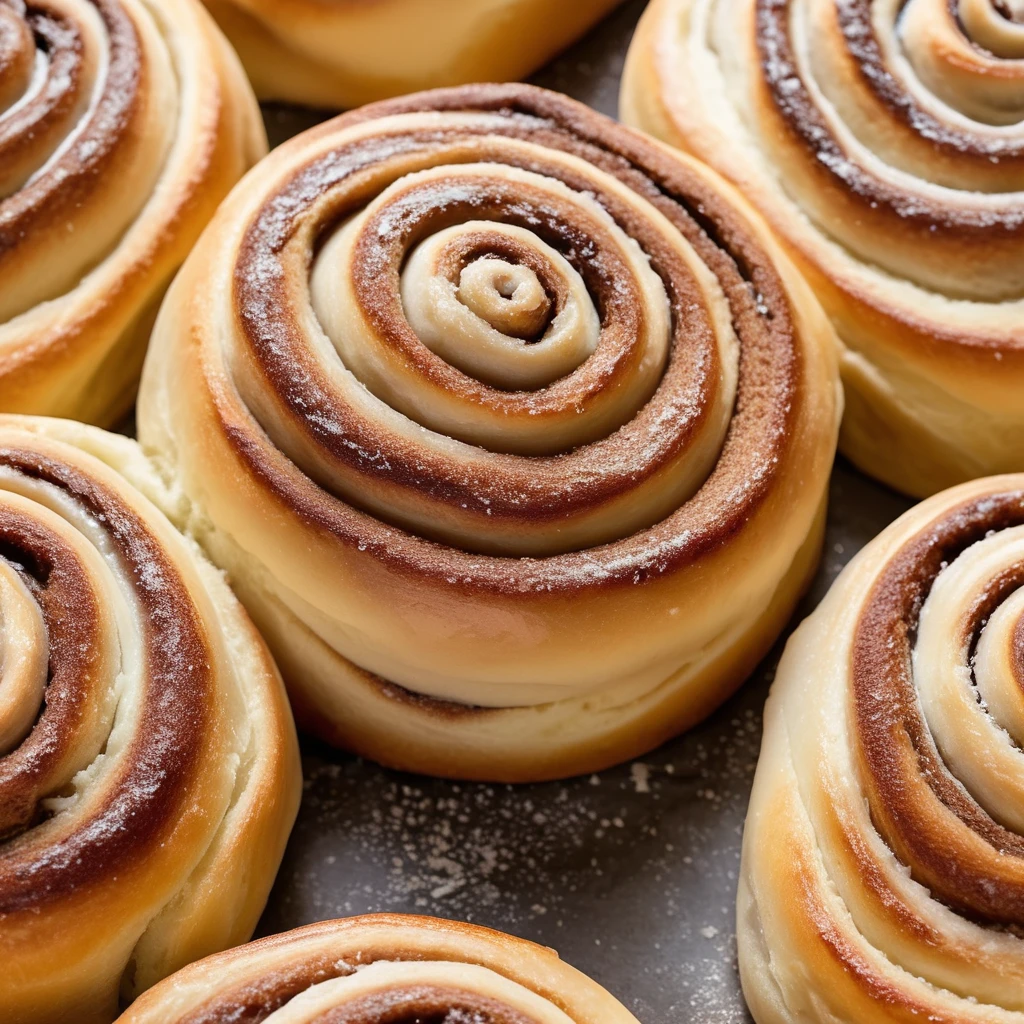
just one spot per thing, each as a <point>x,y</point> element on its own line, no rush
<point>884,142</point>
<point>123,123</point>
<point>148,763</point>
<point>512,428</point>
<point>341,53</point>
<point>883,860</point>
<point>381,969</point>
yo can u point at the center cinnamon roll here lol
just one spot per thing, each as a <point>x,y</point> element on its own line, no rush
<point>490,406</point>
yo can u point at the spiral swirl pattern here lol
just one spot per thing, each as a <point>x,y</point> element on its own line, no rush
<point>884,141</point>
<point>123,123</point>
<point>347,52</point>
<point>883,858</point>
<point>381,969</point>
<point>146,749</point>
<point>490,408</point>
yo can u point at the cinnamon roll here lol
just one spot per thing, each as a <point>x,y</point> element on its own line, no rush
<point>123,123</point>
<point>884,142</point>
<point>148,763</point>
<point>883,860</point>
<point>341,53</point>
<point>511,427</point>
<point>381,969</point>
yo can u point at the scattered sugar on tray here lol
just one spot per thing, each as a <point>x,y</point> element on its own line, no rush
<point>561,863</point>
<point>640,773</point>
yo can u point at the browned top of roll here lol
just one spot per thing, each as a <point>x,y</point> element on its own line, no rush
<point>351,456</point>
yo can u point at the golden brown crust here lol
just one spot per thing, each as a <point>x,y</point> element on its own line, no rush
<point>890,781</point>
<point>503,529</point>
<point>461,967</point>
<point>125,124</point>
<point>882,143</point>
<point>150,750</point>
<point>340,55</point>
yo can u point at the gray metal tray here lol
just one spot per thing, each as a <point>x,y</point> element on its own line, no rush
<point>630,874</point>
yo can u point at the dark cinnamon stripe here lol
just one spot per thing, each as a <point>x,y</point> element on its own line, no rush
<point>889,717</point>
<point>424,1004</point>
<point>252,1001</point>
<point>472,246</point>
<point>71,614</point>
<point>585,244</point>
<point>1017,656</point>
<point>996,591</point>
<point>256,999</point>
<point>1004,10</point>
<point>858,29</point>
<point>834,945</point>
<point>154,785</point>
<point>583,241</point>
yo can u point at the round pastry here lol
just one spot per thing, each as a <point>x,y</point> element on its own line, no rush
<point>341,53</point>
<point>123,123</point>
<point>512,428</point>
<point>884,142</point>
<point>381,969</point>
<point>148,763</point>
<point>883,859</point>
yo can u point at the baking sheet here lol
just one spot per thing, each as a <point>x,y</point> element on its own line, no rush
<point>630,874</point>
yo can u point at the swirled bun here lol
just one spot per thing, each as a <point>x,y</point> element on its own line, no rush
<point>512,428</point>
<point>883,142</point>
<point>883,861</point>
<point>381,968</point>
<point>148,763</point>
<point>123,123</point>
<point>341,53</point>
